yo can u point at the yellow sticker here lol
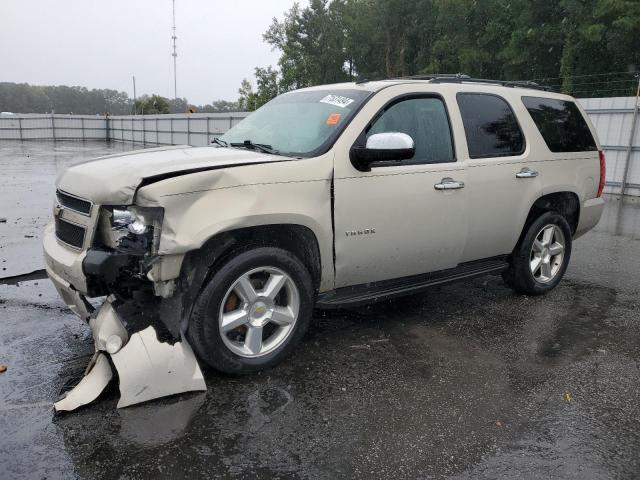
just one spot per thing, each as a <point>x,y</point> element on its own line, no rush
<point>333,119</point>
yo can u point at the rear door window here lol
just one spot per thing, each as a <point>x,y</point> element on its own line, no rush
<point>561,124</point>
<point>490,126</point>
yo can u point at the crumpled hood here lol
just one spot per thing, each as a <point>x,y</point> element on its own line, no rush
<point>114,179</point>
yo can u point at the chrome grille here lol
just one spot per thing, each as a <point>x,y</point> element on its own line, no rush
<point>74,203</point>
<point>70,233</point>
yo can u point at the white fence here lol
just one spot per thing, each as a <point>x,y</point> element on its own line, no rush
<point>53,127</point>
<point>190,129</point>
<point>612,117</point>
<point>180,129</point>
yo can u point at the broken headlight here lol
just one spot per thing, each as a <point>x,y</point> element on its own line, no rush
<point>132,229</point>
<point>127,218</point>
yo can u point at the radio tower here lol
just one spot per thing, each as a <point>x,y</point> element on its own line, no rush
<point>174,54</point>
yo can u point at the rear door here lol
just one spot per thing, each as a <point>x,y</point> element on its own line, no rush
<point>572,162</point>
<point>503,182</point>
<point>392,222</point>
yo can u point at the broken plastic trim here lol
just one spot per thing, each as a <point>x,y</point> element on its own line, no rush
<point>147,368</point>
<point>95,380</point>
<point>151,369</point>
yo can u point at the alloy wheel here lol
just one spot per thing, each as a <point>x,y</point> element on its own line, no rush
<point>259,312</point>
<point>547,253</point>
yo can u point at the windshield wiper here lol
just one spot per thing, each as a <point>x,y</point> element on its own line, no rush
<point>256,146</point>
<point>222,143</point>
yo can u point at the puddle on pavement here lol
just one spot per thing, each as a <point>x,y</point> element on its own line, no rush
<point>582,326</point>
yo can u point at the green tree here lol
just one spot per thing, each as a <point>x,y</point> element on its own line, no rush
<point>247,100</point>
<point>600,36</point>
<point>24,98</point>
<point>267,85</point>
<point>152,105</point>
<point>561,42</point>
<point>221,106</point>
<point>312,42</point>
<point>178,105</point>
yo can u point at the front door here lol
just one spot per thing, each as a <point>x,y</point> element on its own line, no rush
<point>398,219</point>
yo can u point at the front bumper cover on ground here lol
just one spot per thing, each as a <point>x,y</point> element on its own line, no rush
<point>146,367</point>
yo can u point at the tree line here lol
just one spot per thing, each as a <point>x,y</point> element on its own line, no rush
<point>586,48</point>
<point>25,98</point>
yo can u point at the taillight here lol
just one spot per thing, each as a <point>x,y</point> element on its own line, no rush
<point>603,172</point>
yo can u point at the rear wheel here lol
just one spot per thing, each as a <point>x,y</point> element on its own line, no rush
<point>252,312</point>
<point>539,261</point>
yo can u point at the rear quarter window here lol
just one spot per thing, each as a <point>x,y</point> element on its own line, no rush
<point>561,124</point>
<point>490,126</point>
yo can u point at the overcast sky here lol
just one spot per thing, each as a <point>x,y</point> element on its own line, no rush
<point>102,43</point>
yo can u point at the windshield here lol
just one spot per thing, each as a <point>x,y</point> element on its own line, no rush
<point>300,124</point>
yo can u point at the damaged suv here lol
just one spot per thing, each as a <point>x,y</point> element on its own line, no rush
<point>325,197</point>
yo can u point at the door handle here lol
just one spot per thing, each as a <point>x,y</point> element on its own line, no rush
<point>448,184</point>
<point>526,173</point>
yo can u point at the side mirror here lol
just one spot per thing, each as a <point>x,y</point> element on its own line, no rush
<point>383,147</point>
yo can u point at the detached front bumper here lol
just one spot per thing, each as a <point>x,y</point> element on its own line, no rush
<point>147,367</point>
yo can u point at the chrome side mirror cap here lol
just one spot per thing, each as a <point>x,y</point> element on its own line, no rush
<point>383,147</point>
<point>390,141</point>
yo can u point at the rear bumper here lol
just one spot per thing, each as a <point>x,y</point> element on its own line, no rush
<point>590,213</point>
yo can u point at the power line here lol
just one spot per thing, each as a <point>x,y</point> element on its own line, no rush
<point>580,76</point>
<point>606,82</point>
<point>599,92</point>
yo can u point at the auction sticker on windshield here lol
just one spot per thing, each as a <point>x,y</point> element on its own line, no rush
<point>333,119</point>
<point>337,100</point>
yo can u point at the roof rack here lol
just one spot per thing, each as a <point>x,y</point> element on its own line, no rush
<point>461,78</point>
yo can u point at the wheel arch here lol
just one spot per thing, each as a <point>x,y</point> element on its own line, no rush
<point>566,203</point>
<point>200,264</point>
<point>297,239</point>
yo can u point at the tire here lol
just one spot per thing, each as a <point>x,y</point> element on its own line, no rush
<point>274,308</point>
<point>525,276</point>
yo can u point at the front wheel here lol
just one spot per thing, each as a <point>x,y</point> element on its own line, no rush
<point>539,261</point>
<point>252,312</point>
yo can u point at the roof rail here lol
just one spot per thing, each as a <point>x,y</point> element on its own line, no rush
<point>461,78</point>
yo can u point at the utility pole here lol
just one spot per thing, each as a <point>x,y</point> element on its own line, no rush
<point>135,100</point>
<point>174,54</point>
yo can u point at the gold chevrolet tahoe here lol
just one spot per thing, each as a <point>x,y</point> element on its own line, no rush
<point>327,196</point>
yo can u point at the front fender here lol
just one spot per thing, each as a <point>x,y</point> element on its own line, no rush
<point>201,205</point>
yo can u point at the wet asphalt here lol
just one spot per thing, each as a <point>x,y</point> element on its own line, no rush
<point>465,381</point>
